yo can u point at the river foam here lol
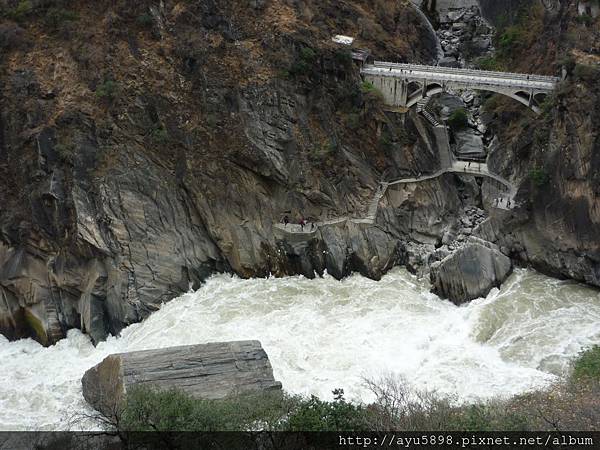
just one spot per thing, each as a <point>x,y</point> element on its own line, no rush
<point>323,334</point>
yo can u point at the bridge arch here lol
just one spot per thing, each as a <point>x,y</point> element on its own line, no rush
<point>414,88</point>
<point>528,99</point>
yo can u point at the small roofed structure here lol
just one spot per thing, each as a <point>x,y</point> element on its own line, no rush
<point>360,55</point>
<point>343,40</point>
<point>589,7</point>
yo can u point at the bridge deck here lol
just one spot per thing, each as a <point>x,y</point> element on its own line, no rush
<point>462,76</point>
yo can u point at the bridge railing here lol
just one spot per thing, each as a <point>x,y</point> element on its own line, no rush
<point>477,72</point>
<point>465,78</point>
<point>439,69</point>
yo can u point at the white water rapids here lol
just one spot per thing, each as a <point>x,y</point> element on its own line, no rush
<point>323,334</point>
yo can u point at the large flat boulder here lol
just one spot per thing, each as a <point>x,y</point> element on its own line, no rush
<point>469,144</point>
<point>470,272</point>
<point>209,371</point>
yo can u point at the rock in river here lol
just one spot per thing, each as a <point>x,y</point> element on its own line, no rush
<point>209,371</point>
<point>470,272</point>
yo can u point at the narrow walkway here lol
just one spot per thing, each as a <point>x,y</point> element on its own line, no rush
<point>505,202</point>
<point>477,169</point>
<point>448,164</point>
<point>312,227</point>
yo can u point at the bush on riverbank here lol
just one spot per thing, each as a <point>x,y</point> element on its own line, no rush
<point>587,365</point>
<point>573,404</point>
<point>458,120</point>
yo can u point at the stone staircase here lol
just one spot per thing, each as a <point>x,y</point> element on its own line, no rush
<point>422,109</point>
<point>374,204</point>
<point>54,330</point>
<point>422,104</point>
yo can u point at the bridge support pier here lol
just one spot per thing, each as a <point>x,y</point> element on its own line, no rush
<point>530,99</point>
<point>394,90</point>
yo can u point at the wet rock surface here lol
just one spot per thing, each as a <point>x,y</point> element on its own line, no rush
<point>470,272</point>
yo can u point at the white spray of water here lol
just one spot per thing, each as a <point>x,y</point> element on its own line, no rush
<point>324,334</point>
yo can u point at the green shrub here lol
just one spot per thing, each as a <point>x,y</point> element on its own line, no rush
<point>372,96</point>
<point>353,120</point>
<point>473,418</point>
<point>21,11</point>
<point>541,136</point>
<point>305,65</point>
<point>323,152</point>
<point>587,364</point>
<point>367,86</point>
<point>386,141</point>
<point>149,409</point>
<point>538,176</point>
<point>286,74</point>
<point>145,20</point>
<point>317,415</point>
<point>55,17</point>
<point>300,68</point>
<point>586,73</point>
<point>489,416</point>
<point>489,63</point>
<point>343,58</point>
<point>108,89</point>
<point>585,19</point>
<point>308,55</point>
<point>510,40</point>
<point>66,152</point>
<point>547,106</point>
<point>458,120</point>
<point>159,135</point>
<point>397,406</point>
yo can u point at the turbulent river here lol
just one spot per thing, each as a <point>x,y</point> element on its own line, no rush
<point>324,334</point>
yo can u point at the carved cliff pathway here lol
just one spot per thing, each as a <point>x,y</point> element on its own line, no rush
<point>448,164</point>
<point>406,85</point>
<point>504,201</point>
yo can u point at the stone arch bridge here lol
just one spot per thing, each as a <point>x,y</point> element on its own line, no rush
<point>403,85</point>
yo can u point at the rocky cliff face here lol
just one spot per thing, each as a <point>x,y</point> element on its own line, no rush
<point>146,145</point>
<point>553,157</point>
<point>506,11</point>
